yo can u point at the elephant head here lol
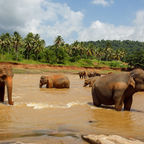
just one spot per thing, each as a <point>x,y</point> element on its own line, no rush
<point>46,80</point>
<point>87,82</point>
<point>90,81</point>
<point>6,76</point>
<point>138,77</point>
<point>43,81</point>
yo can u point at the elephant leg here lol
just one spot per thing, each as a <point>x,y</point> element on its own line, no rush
<point>2,91</point>
<point>118,99</point>
<point>96,101</point>
<point>128,103</point>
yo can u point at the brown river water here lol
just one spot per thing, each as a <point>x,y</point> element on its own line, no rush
<point>61,116</point>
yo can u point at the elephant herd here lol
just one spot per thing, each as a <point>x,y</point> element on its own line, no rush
<point>112,89</point>
<point>85,74</point>
<point>116,88</point>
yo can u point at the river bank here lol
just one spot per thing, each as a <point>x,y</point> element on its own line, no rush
<point>44,68</point>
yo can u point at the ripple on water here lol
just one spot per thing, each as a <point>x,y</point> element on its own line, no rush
<point>42,105</point>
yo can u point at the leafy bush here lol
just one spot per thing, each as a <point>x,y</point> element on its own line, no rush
<point>11,57</point>
<point>136,59</point>
<point>86,63</point>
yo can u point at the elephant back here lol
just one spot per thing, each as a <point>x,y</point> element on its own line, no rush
<point>60,81</point>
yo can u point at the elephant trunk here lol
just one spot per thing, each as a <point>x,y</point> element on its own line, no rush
<point>9,89</point>
<point>40,85</point>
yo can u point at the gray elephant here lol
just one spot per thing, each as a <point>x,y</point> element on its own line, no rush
<point>82,74</point>
<point>6,76</point>
<point>55,81</point>
<point>118,89</point>
<point>93,74</point>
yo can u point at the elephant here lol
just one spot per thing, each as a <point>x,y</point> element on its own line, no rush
<point>118,89</point>
<point>93,74</point>
<point>82,74</point>
<point>6,76</point>
<point>55,81</point>
<point>90,81</point>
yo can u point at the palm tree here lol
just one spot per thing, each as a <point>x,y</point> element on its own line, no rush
<point>91,51</point>
<point>108,52</point>
<point>17,42</point>
<point>119,54</point>
<point>29,44</point>
<point>58,41</point>
<point>8,42</point>
<point>2,43</point>
<point>75,49</point>
<point>98,53</point>
<point>39,47</point>
<point>67,48</point>
<point>33,45</point>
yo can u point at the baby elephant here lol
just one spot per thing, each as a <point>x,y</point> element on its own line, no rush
<point>54,81</point>
<point>90,81</point>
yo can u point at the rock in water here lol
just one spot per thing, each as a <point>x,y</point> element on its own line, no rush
<point>109,139</point>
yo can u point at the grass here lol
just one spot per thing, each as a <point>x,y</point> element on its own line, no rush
<point>80,63</point>
<point>26,71</point>
<point>46,71</point>
<point>97,63</point>
<point>23,61</point>
<point>41,71</point>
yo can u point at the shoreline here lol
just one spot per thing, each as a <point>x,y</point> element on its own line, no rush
<point>45,68</point>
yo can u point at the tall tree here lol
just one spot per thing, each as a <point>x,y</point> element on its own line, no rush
<point>28,44</point>
<point>8,42</point>
<point>17,42</point>
<point>2,43</point>
<point>38,45</point>
<point>58,41</point>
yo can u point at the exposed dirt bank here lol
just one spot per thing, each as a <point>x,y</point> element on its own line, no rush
<point>47,67</point>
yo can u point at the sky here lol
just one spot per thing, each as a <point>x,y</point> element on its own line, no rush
<point>81,20</point>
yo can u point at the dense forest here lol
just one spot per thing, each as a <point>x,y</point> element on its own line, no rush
<point>32,47</point>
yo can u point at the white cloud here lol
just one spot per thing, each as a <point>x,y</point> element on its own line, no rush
<point>99,30</point>
<point>139,26</point>
<point>45,17</point>
<point>103,2</point>
<point>50,19</point>
<point>139,18</point>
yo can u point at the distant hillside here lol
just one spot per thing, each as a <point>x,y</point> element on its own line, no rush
<point>127,45</point>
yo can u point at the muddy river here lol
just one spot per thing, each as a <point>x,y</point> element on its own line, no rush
<point>61,116</point>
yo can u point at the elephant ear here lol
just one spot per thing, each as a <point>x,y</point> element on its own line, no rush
<point>132,82</point>
<point>49,83</point>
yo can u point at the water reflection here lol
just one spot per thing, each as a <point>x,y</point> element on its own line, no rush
<point>114,122</point>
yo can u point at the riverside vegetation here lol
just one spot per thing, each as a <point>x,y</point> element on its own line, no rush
<point>32,49</point>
